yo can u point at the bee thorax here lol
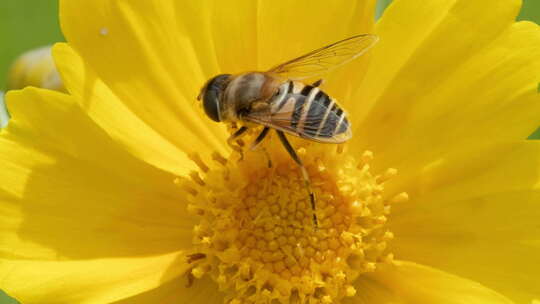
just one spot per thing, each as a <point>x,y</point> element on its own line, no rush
<point>241,92</point>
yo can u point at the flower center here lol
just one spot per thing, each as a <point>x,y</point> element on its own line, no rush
<point>256,237</point>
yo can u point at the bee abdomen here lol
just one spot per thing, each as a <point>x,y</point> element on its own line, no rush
<point>334,122</point>
<point>318,115</point>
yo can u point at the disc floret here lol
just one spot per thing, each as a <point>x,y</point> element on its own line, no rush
<point>256,237</point>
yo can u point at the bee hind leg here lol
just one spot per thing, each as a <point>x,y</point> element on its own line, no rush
<point>258,140</point>
<point>236,135</point>
<point>305,174</point>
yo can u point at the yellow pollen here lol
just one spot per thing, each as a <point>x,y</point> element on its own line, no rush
<point>256,237</point>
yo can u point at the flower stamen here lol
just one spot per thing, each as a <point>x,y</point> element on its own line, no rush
<point>256,236</point>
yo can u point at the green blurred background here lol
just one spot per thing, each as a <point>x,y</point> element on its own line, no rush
<point>24,25</point>
<point>27,24</point>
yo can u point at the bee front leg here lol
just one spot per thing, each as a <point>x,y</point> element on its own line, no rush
<point>236,135</point>
<point>258,140</point>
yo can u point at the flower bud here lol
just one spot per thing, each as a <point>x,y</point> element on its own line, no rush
<point>35,68</point>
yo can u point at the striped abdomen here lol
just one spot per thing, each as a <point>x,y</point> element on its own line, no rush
<point>310,113</point>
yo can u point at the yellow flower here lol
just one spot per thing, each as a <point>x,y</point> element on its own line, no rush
<point>124,192</point>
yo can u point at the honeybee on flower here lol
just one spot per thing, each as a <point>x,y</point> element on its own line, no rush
<point>119,192</point>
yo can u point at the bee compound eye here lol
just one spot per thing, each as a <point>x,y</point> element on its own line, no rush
<point>211,105</point>
<point>211,96</point>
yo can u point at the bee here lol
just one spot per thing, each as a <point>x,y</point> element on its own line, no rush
<point>278,99</point>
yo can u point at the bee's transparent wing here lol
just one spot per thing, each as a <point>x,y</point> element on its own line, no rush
<point>326,58</point>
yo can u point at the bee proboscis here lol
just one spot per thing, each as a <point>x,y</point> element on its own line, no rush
<point>278,99</point>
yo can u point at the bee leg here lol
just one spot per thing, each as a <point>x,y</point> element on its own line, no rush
<point>258,140</point>
<point>305,174</point>
<point>268,157</point>
<point>235,136</point>
<point>317,83</point>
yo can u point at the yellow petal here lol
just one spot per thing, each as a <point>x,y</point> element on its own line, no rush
<point>117,119</point>
<point>70,196</point>
<point>87,281</point>
<point>410,283</point>
<point>288,29</point>
<point>265,34</point>
<point>155,55</point>
<point>233,31</point>
<point>146,52</point>
<point>447,73</point>
<point>202,291</point>
<point>475,213</point>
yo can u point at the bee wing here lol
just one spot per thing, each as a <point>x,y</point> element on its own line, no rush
<point>326,58</point>
<point>319,124</point>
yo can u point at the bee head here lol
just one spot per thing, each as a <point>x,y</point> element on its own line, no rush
<point>211,93</point>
